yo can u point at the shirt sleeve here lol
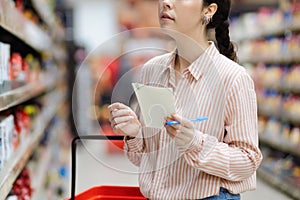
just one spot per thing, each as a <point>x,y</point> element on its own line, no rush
<point>134,148</point>
<point>238,156</point>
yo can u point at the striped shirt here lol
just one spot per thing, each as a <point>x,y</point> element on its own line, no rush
<point>224,151</point>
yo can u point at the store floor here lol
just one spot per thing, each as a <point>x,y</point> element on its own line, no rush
<point>97,166</point>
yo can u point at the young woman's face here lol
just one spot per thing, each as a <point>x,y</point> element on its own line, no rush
<point>184,16</point>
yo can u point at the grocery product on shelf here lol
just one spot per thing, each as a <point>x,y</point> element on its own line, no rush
<point>16,70</point>
<point>22,187</point>
<point>273,49</point>
<point>6,139</point>
<point>279,133</point>
<point>291,81</point>
<point>291,109</point>
<point>271,78</point>
<point>269,102</point>
<point>295,136</point>
<point>4,62</point>
<point>14,128</point>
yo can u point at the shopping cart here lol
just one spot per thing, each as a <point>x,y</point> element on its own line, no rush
<point>104,192</point>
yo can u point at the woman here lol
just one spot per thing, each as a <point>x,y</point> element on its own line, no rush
<point>215,159</point>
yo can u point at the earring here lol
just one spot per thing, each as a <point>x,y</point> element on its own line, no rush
<point>206,20</point>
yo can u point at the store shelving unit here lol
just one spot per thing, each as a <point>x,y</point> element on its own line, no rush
<point>283,147</point>
<point>44,12</point>
<point>281,30</point>
<point>56,29</point>
<point>38,182</point>
<point>18,33</point>
<point>24,93</point>
<point>32,35</point>
<point>277,31</point>
<point>278,60</point>
<point>19,159</point>
<point>239,6</point>
<point>23,30</point>
<point>284,185</point>
<point>275,142</point>
<point>46,158</point>
<point>283,116</point>
<point>26,37</point>
<point>41,173</point>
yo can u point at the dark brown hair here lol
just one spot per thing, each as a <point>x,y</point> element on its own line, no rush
<point>220,22</point>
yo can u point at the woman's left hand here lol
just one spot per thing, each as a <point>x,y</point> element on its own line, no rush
<point>182,133</point>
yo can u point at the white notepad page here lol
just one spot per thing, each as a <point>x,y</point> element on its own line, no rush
<point>155,102</point>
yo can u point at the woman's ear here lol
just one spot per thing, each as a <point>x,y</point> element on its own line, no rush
<point>210,10</point>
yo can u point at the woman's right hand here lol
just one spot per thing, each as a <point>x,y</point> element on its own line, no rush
<point>124,120</point>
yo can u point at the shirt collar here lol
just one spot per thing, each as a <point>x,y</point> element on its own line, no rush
<point>170,62</point>
<point>203,62</point>
<point>200,65</point>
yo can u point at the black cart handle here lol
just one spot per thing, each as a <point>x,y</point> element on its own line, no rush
<point>74,144</point>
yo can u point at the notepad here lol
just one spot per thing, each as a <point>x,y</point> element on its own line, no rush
<point>155,102</point>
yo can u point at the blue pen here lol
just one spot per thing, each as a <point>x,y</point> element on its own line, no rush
<point>199,119</point>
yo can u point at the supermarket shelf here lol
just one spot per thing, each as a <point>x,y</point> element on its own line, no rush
<point>280,30</point>
<point>34,45</point>
<point>284,89</point>
<point>277,60</point>
<point>20,157</point>
<point>282,146</point>
<point>47,15</point>
<point>8,35</point>
<point>283,116</point>
<point>286,187</point>
<point>13,21</point>
<point>242,6</point>
<point>40,175</point>
<point>44,12</point>
<point>24,93</point>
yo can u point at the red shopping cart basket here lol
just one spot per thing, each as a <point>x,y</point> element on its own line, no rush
<point>104,192</point>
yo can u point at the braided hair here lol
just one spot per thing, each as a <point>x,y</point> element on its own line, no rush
<point>220,22</point>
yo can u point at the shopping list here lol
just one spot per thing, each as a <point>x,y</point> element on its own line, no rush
<point>155,102</point>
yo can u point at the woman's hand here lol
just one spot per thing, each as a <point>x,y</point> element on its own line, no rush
<point>182,133</point>
<point>124,120</point>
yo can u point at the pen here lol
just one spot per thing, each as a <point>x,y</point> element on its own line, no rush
<point>199,119</point>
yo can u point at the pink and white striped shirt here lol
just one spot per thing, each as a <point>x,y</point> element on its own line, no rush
<point>224,151</point>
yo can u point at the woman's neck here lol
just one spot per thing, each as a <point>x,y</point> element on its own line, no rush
<point>188,50</point>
